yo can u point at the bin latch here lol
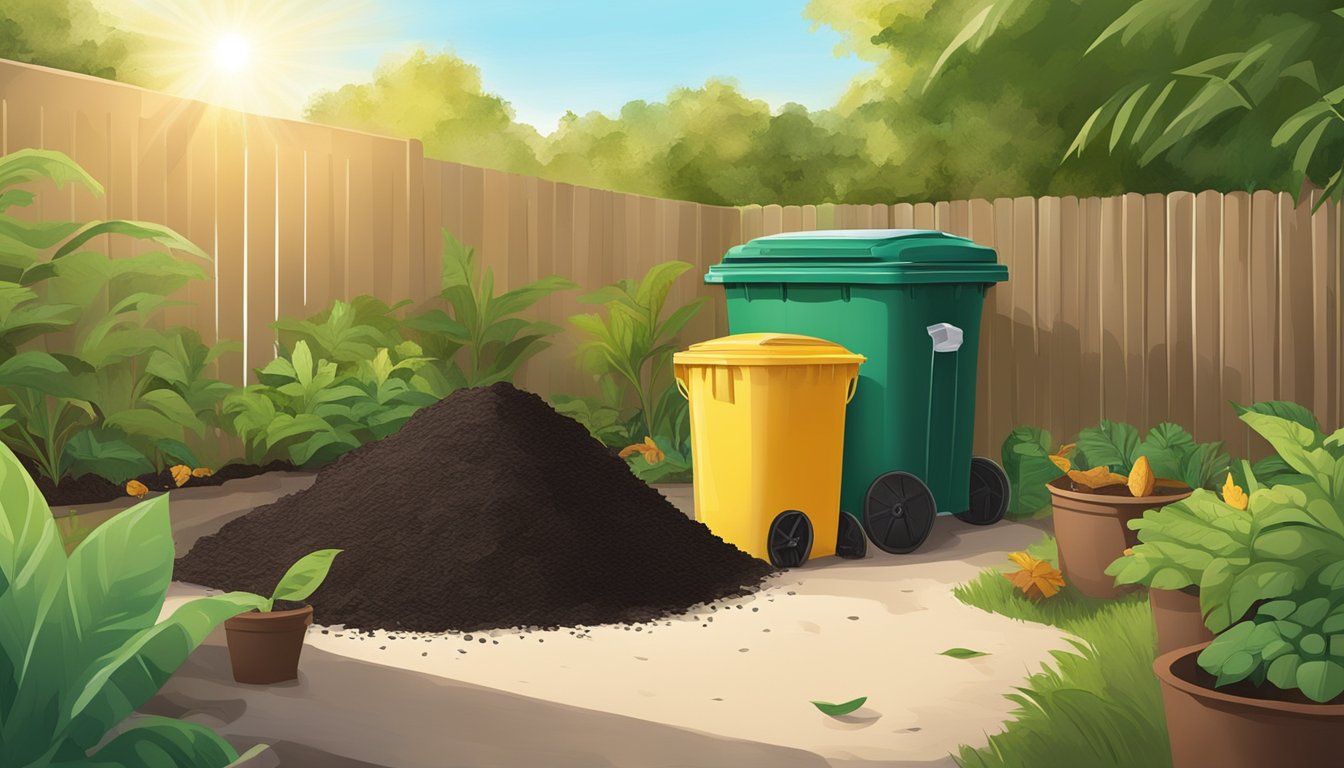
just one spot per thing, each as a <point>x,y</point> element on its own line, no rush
<point>946,337</point>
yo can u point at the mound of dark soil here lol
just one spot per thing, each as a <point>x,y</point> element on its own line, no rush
<point>92,489</point>
<point>488,509</point>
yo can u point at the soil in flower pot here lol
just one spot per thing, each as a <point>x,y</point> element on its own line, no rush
<point>1243,725</point>
<point>264,647</point>
<point>1178,619</point>
<point>1091,527</point>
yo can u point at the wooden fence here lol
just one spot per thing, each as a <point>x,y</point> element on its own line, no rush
<point>1141,308</point>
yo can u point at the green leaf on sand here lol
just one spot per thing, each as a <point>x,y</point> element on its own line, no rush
<point>962,653</point>
<point>838,710</point>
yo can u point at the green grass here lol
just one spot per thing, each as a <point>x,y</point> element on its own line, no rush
<point>1097,706</point>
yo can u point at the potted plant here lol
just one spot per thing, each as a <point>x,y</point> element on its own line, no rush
<point>1269,688</point>
<point>1092,508</point>
<point>264,644</point>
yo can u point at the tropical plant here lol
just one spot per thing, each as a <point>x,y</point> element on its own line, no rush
<point>632,347</point>
<point>483,328</point>
<point>49,284</point>
<point>81,643</point>
<point>346,334</point>
<point>1210,64</point>
<point>1286,548</point>
<point>182,367</point>
<point>298,411</point>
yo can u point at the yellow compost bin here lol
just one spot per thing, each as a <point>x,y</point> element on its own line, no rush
<point>767,433</point>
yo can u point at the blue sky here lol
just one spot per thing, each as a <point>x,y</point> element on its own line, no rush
<point>546,56</point>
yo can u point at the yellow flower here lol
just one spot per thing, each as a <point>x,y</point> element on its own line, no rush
<point>137,489</point>
<point>1234,495</point>
<point>1037,578</point>
<point>181,474</point>
<point>201,472</point>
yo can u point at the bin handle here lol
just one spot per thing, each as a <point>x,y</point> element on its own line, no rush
<point>853,388</point>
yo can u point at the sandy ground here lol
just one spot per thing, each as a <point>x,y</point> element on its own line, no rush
<point>727,685</point>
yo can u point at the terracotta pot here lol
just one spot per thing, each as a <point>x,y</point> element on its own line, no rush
<point>1210,727</point>
<point>265,647</point>
<point>1177,616</point>
<point>1091,531</point>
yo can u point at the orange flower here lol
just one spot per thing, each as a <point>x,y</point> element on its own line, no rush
<point>181,474</point>
<point>1037,578</point>
<point>137,489</point>
<point>1234,496</point>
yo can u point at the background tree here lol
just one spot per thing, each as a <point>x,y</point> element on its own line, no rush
<point>63,34</point>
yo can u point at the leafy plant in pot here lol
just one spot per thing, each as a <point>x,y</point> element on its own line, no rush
<point>1274,673</point>
<point>265,644</point>
<point>1092,508</point>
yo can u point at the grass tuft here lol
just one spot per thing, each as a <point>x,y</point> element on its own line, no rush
<point>1097,706</point>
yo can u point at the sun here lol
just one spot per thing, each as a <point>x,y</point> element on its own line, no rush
<point>262,56</point>
<point>233,53</point>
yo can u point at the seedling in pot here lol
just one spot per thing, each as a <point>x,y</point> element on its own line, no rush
<point>264,645</point>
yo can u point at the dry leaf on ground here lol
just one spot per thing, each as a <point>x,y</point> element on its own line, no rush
<point>1037,578</point>
<point>201,472</point>
<point>181,474</point>
<point>137,489</point>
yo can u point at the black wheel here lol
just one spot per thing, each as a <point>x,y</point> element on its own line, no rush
<point>851,543</point>
<point>989,493</point>
<point>790,539</point>
<point>898,512</point>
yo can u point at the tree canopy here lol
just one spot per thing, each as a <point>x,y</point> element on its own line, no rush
<point>63,34</point>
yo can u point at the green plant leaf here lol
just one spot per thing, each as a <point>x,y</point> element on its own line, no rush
<point>1026,461</point>
<point>962,653</point>
<point>1321,679</point>
<point>1283,409</point>
<point>839,710</point>
<point>305,576</point>
<point>104,452</point>
<point>160,742</point>
<point>1113,444</point>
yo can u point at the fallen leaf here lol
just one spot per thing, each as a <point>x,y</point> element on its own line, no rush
<point>1061,462</point>
<point>1037,578</point>
<point>1097,477</point>
<point>648,449</point>
<point>137,489</point>
<point>181,474</point>
<point>1141,480</point>
<point>1234,496</point>
<point>201,472</point>
<point>962,653</point>
<point>836,710</point>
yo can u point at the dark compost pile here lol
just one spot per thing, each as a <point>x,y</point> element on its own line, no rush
<point>487,510</point>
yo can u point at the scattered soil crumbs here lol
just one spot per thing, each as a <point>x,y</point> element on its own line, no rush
<point>487,510</point>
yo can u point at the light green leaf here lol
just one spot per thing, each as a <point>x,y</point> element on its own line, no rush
<point>305,576</point>
<point>839,710</point>
<point>962,653</point>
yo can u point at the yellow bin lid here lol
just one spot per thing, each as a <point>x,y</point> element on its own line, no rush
<point>766,349</point>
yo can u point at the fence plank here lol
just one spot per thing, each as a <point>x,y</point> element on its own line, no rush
<point>1324,305</point>
<point>1111,297</point>
<point>1135,345</point>
<point>1295,309</point>
<point>1235,319</point>
<point>230,217</point>
<point>259,266</point>
<point>1090,322</point>
<point>1180,324</point>
<point>1156,405</point>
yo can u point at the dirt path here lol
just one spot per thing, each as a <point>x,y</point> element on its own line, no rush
<point>728,685</point>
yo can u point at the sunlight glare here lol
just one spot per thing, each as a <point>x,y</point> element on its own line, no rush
<point>232,53</point>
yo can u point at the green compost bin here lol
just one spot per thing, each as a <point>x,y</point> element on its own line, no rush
<point>910,301</point>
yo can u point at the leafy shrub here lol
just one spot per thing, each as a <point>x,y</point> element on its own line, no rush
<point>346,334</point>
<point>81,644</point>
<point>629,351</point>
<point>483,328</point>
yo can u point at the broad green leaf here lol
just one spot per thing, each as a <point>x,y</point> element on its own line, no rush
<point>26,165</point>
<point>1321,680</point>
<point>160,742</point>
<point>127,678</point>
<point>105,453</point>
<point>839,710</point>
<point>1113,444</point>
<point>305,576</point>
<point>1294,444</point>
<point>1026,461</point>
<point>1167,445</point>
<point>962,653</point>
<point>1283,409</point>
<point>140,230</point>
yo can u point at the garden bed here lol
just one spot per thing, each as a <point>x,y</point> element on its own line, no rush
<point>603,695</point>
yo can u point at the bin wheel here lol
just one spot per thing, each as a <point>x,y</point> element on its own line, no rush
<point>898,512</point>
<point>989,493</point>
<point>790,539</point>
<point>851,543</point>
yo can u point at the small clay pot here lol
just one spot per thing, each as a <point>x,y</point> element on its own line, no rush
<point>1236,728</point>
<point>264,647</point>
<point>1178,618</point>
<point>1092,531</point>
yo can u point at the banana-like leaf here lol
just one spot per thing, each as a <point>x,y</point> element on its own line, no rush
<point>103,452</point>
<point>140,230</point>
<point>305,576</point>
<point>160,742</point>
<point>25,165</point>
<point>37,371</point>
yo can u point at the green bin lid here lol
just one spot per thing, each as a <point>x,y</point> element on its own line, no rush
<point>874,256</point>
